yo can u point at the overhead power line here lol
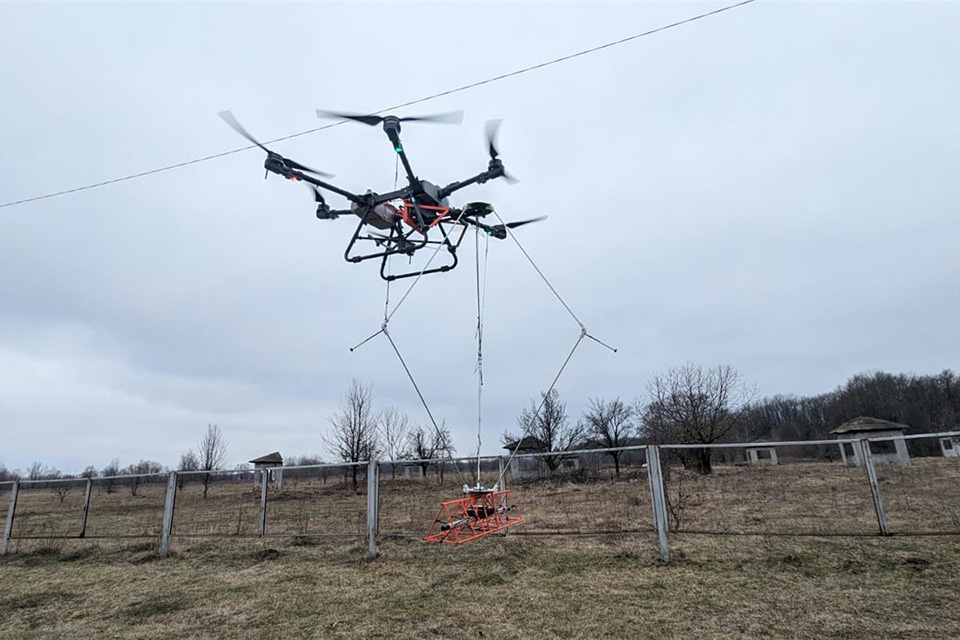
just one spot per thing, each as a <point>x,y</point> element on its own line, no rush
<point>384,110</point>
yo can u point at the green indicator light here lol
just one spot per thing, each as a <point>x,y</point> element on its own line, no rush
<point>398,149</point>
<point>489,233</point>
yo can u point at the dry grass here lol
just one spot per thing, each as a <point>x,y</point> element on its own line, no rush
<point>502,587</point>
<point>513,587</point>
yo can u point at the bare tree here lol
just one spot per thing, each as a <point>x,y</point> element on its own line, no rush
<point>188,462</point>
<point>422,446</point>
<point>549,429</point>
<point>442,444</point>
<point>89,472</point>
<point>394,431</point>
<point>35,471</point>
<point>109,472</point>
<point>354,436</point>
<point>693,405</point>
<point>212,453</point>
<point>136,472</point>
<point>610,422</point>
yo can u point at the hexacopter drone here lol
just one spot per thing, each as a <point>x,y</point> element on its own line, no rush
<point>399,222</point>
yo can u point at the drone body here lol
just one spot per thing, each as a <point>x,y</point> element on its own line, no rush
<point>406,220</point>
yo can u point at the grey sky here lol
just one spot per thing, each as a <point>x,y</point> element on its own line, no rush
<point>774,188</point>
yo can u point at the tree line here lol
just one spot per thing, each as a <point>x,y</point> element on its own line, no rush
<point>690,404</point>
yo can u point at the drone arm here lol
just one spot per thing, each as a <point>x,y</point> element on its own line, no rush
<point>480,178</point>
<point>352,197</point>
<point>496,231</point>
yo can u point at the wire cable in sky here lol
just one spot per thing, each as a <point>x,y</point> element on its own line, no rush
<point>393,108</point>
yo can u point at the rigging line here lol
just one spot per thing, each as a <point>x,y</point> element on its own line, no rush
<point>543,401</point>
<point>542,277</point>
<point>583,327</point>
<point>479,351</point>
<point>386,317</point>
<point>443,438</point>
<point>415,281</point>
<point>434,96</point>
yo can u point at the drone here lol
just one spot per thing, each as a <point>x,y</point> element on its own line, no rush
<point>403,221</point>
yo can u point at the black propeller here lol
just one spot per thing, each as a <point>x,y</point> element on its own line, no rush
<point>493,131</point>
<point>499,231</point>
<point>452,117</point>
<point>520,223</point>
<point>229,118</point>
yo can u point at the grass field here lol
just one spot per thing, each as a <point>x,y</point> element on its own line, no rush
<point>800,580</point>
<point>513,587</point>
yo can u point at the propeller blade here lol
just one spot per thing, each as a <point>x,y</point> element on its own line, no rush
<point>520,223</point>
<point>317,197</point>
<point>509,179</point>
<point>368,120</point>
<point>293,164</point>
<point>451,117</point>
<point>492,131</point>
<point>228,117</point>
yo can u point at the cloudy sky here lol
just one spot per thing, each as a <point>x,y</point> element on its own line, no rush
<point>772,188</point>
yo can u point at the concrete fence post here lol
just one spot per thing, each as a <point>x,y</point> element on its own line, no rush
<point>373,502</point>
<point>168,506</point>
<point>503,485</point>
<point>867,458</point>
<point>86,507</point>
<point>11,510</point>
<point>658,501</point>
<point>262,522</point>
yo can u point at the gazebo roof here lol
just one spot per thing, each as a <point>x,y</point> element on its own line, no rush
<point>529,443</point>
<point>270,458</point>
<point>866,423</point>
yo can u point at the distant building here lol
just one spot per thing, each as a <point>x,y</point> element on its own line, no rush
<point>269,466</point>
<point>534,467</point>
<point>885,452</point>
<point>762,455</point>
<point>950,446</point>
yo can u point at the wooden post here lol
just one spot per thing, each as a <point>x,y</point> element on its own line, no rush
<point>373,500</point>
<point>168,506</point>
<point>658,501</point>
<point>867,458</point>
<point>264,485</point>
<point>86,507</point>
<point>8,527</point>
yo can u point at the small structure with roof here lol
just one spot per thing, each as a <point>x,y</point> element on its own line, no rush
<point>269,466</point>
<point>950,446</point>
<point>882,452</point>
<point>761,455</point>
<point>534,467</point>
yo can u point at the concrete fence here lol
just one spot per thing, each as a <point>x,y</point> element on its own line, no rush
<point>808,487</point>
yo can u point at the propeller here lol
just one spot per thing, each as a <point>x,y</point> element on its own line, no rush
<point>499,231</point>
<point>493,132</point>
<point>452,117</point>
<point>234,124</point>
<point>520,223</point>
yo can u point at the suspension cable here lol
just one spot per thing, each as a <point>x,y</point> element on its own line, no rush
<point>387,317</point>
<point>479,349</point>
<point>583,327</point>
<point>536,415</point>
<point>440,434</point>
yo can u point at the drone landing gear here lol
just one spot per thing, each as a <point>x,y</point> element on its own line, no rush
<point>480,512</point>
<point>410,233</point>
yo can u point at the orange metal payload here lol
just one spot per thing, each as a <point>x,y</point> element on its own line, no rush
<point>480,512</point>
